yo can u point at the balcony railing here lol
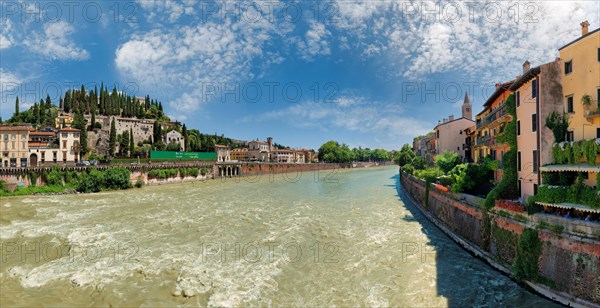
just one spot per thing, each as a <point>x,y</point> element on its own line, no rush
<point>493,116</point>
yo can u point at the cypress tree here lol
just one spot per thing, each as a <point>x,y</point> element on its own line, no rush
<point>185,138</point>
<point>124,143</point>
<point>79,122</point>
<point>131,143</point>
<point>16,114</point>
<point>112,141</point>
<point>93,120</point>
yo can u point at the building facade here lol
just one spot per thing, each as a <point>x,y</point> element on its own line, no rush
<point>581,84</point>
<point>489,125</point>
<point>223,153</point>
<point>14,145</point>
<point>260,150</point>
<point>538,93</point>
<point>174,137</point>
<point>449,133</point>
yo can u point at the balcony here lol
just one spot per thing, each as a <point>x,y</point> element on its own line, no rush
<point>493,116</point>
<point>590,114</point>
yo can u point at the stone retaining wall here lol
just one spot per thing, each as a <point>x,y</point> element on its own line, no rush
<point>569,263</point>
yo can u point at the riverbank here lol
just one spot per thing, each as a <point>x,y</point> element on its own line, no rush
<point>566,269</point>
<point>34,182</point>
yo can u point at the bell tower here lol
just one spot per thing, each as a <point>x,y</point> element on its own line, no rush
<point>467,108</point>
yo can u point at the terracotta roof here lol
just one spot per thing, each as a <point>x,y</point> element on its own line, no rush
<point>221,146</point>
<point>42,134</point>
<point>69,129</point>
<point>14,128</point>
<point>504,87</point>
<point>452,121</point>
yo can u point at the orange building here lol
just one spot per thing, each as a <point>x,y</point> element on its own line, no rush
<point>490,123</point>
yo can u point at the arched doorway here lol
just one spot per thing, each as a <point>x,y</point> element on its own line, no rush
<point>33,160</point>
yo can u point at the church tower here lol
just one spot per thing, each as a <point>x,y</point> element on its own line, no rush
<point>467,109</point>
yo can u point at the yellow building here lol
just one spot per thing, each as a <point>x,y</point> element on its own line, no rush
<point>581,82</point>
<point>240,154</point>
<point>14,145</point>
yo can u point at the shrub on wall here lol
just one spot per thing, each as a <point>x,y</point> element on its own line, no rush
<point>529,249</point>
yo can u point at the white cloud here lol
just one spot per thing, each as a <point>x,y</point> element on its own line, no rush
<point>55,44</point>
<point>416,45</point>
<point>6,38</point>
<point>158,9</point>
<point>182,59</point>
<point>315,42</point>
<point>351,113</point>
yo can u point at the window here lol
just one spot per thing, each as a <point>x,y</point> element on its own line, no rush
<point>534,122</point>
<point>519,161</point>
<point>598,97</point>
<point>535,189</point>
<point>535,161</point>
<point>598,132</point>
<point>64,145</point>
<point>568,67</point>
<point>570,104</point>
<point>23,136</point>
<point>598,54</point>
<point>437,134</point>
<point>518,127</point>
<point>5,136</point>
<point>518,98</point>
<point>519,186</point>
<point>534,88</point>
<point>570,136</point>
<point>14,136</point>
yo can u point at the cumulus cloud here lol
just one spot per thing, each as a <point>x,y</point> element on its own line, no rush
<point>182,59</point>
<point>54,43</point>
<point>484,45</point>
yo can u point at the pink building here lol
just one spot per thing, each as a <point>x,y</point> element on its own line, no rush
<point>450,132</point>
<point>538,92</point>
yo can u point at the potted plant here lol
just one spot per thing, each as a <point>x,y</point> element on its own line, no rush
<point>586,100</point>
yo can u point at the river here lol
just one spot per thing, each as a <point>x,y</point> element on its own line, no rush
<point>333,239</point>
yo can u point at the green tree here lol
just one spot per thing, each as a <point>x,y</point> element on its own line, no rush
<point>79,123</point>
<point>447,160</point>
<point>16,114</point>
<point>124,144</point>
<point>112,141</point>
<point>131,143</point>
<point>327,151</point>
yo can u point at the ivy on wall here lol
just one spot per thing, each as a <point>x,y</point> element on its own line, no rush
<point>529,249</point>
<point>507,188</point>
<point>574,152</point>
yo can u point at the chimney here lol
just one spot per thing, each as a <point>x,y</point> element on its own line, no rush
<point>526,67</point>
<point>498,85</point>
<point>584,28</point>
<point>439,122</point>
<point>451,118</point>
<point>445,120</point>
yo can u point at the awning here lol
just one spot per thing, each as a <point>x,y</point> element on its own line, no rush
<point>577,168</point>
<point>566,205</point>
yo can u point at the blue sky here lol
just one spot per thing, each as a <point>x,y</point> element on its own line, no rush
<point>365,73</point>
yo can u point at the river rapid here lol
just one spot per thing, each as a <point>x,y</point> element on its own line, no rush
<point>344,238</point>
